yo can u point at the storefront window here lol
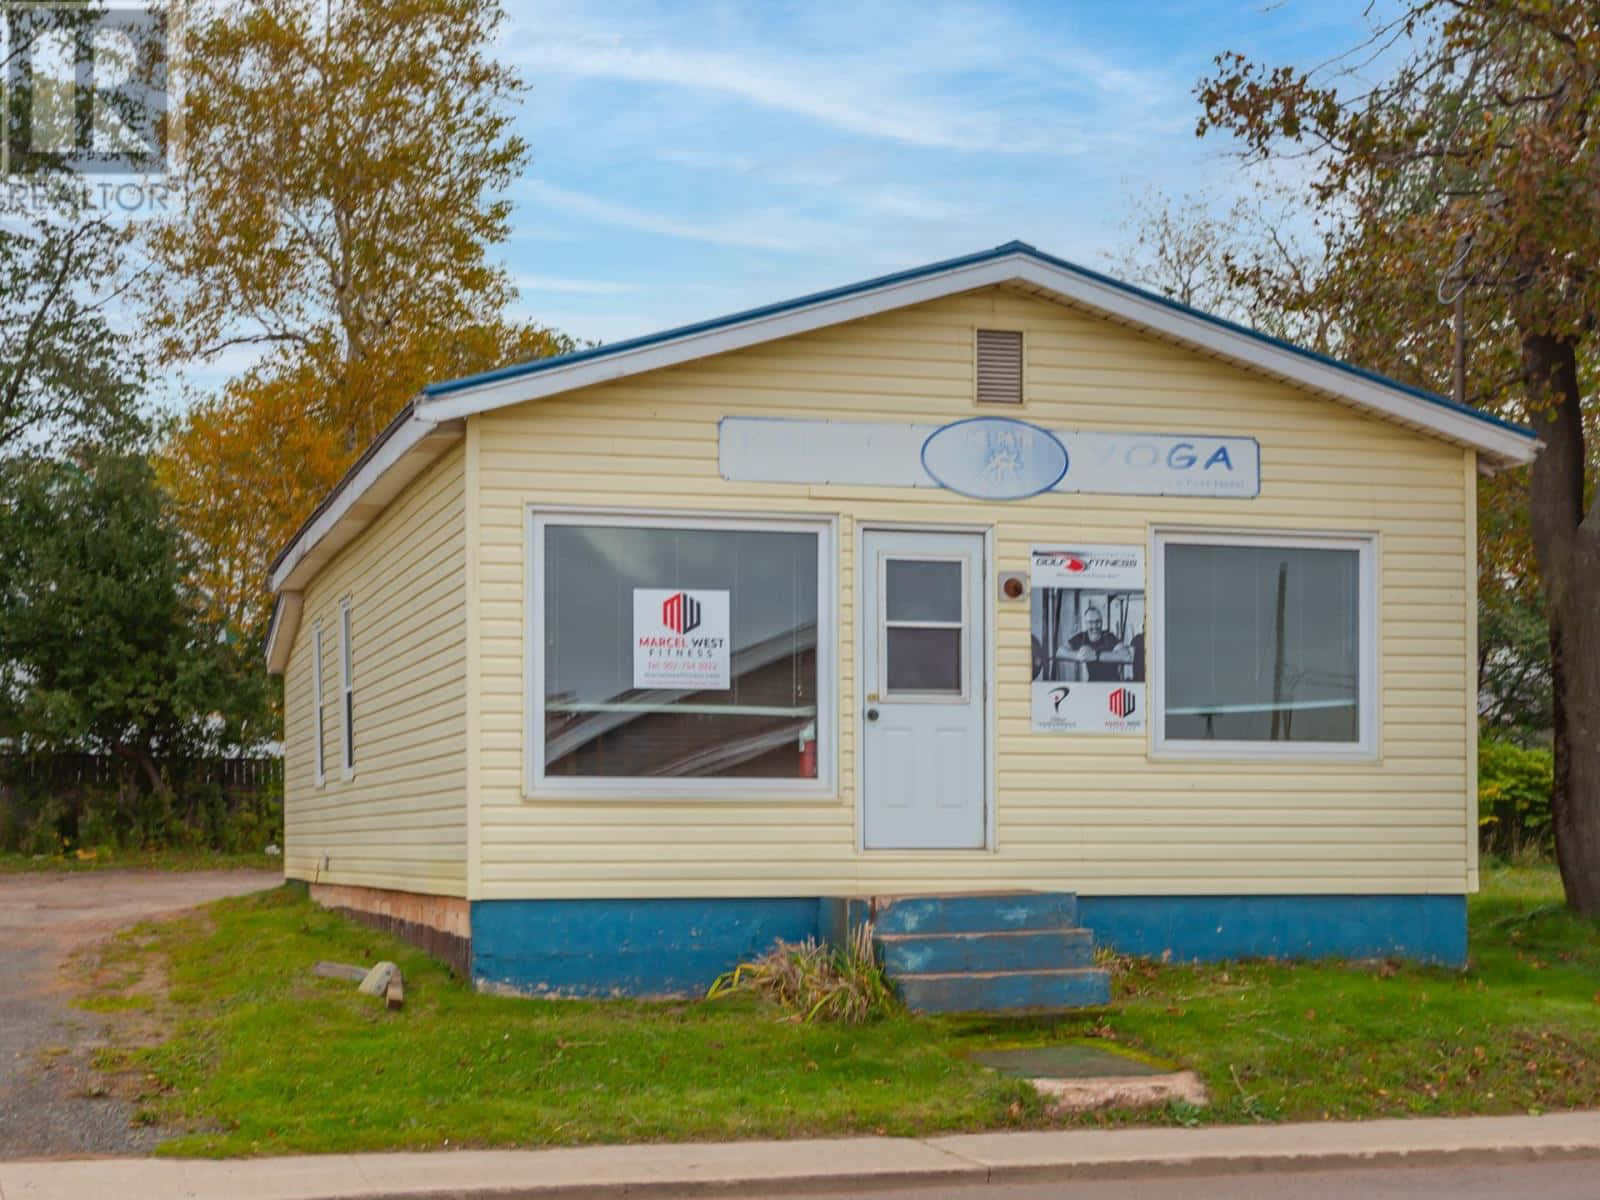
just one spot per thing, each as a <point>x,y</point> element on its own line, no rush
<point>1264,642</point>
<point>676,651</point>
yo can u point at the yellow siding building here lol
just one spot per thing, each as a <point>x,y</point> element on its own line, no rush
<point>995,575</point>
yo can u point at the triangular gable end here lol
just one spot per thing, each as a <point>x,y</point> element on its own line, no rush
<point>1016,264</point>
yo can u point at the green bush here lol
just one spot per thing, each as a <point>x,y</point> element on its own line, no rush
<point>48,809</point>
<point>1514,787</point>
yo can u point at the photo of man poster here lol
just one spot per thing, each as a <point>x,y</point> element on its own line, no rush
<point>1088,639</point>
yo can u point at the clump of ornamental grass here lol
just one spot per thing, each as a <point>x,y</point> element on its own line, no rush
<point>817,981</point>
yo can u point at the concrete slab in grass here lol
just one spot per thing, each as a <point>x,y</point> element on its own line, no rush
<point>1066,1060</point>
<point>1076,1076</point>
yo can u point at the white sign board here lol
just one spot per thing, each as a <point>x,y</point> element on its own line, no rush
<point>1088,627</point>
<point>994,458</point>
<point>680,639</point>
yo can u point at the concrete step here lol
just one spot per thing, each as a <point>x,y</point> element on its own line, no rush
<point>997,991</point>
<point>1010,950</point>
<point>992,912</point>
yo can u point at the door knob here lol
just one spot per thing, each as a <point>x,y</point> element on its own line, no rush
<point>872,714</point>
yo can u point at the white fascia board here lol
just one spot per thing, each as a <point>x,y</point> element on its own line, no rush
<point>1504,446</point>
<point>607,367</point>
<point>402,442</point>
<point>280,634</point>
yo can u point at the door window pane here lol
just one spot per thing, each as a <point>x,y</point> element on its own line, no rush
<point>922,591</point>
<point>1262,643</point>
<point>923,660</point>
<point>597,723</point>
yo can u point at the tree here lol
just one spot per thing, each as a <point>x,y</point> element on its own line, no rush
<point>104,646</point>
<point>65,374</point>
<point>1250,268</point>
<point>1258,263</point>
<point>1474,162</point>
<point>345,164</point>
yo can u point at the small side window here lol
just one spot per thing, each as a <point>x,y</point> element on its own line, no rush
<point>317,716</point>
<point>347,695</point>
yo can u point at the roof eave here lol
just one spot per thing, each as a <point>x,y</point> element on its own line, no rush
<point>286,608</point>
<point>406,448</point>
<point>411,447</point>
<point>1502,444</point>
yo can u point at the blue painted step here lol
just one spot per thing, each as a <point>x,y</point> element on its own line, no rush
<point>1006,950</point>
<point>991,991</point>
<point>995,912</point>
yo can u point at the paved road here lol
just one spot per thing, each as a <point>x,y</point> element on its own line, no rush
<point>43,919</point>
<point>1572,1180</point>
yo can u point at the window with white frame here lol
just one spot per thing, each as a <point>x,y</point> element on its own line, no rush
<point>319,747</point>
<point>347,695</point>
<point>671,650</point>
<point>1266,644</point>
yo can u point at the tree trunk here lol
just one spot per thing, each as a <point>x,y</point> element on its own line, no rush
<point>1568,548</point>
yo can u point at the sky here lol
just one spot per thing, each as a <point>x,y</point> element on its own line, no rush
<point>691,159</point>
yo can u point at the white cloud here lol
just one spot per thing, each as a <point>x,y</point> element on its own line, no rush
<point>762,83</point>
<point>912,206</point>
<point>555,283</point>
<point>757,231</point>
<point>948,77</point>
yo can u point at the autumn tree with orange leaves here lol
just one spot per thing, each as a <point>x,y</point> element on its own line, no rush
<point>345,167</point>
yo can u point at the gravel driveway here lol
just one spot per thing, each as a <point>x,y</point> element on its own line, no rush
<point>43,919</point>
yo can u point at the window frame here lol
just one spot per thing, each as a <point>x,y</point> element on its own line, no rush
<point>1367,746</point>
<point>964,626</point>
<point>539,786</point>
<point>347,714</point>
<point>319,747</point>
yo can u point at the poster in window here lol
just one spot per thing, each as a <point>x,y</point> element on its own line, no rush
<point>1088,639</point>
<point>680,639</point>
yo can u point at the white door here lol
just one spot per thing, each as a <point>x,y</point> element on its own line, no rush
<point>922,662</point>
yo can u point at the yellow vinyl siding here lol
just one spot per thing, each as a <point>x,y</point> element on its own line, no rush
<point>400,821</point>
<point>1089,813</point>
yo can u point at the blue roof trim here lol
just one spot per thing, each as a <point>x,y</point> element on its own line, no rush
<point>750,314</point>
<point>1018,248</point>
<point>1326,360</point>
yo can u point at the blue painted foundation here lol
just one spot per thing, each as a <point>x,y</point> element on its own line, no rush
<point>1431,929</point>
<point>677,947</point>
<point>626,947</point>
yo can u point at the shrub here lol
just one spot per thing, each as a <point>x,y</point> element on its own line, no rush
<point>1514,786</point>
<point>817,981</point>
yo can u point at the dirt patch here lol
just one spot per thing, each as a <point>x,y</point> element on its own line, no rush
<point>52,1100</point>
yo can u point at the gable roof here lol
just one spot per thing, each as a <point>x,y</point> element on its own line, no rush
<point>435,418</point>
<point>1014,263</point>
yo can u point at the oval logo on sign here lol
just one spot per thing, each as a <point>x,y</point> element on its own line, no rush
<point>994,458</point>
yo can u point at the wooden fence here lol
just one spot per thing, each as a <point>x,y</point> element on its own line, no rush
<point>72,773</point>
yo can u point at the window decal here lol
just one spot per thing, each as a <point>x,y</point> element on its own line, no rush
<point>1088,639</point>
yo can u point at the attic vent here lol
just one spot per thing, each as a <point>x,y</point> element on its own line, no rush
<point>999,366</point>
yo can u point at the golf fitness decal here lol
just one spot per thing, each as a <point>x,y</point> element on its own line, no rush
<point>1088,639</point>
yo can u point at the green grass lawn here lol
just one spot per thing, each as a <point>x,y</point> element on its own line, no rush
<point>259,1056</point>
<point>147,860</point>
